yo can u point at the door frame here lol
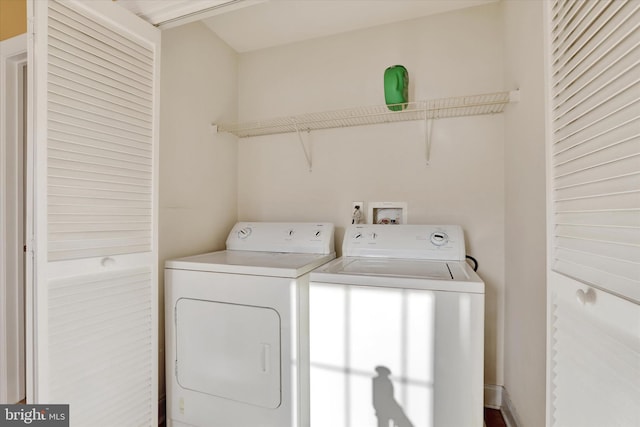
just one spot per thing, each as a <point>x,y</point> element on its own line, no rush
<point>13,57</point>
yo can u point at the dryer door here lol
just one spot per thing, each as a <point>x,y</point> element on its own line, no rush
<point>229,350</point>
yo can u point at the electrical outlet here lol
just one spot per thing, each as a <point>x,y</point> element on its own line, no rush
<point>357,213</point>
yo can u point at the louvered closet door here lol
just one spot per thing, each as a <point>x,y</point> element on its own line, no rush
<point>594,282</point>
<point>95,79</point>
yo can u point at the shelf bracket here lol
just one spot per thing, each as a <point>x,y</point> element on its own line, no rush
<point>428,129</point>
<point>307,155</point>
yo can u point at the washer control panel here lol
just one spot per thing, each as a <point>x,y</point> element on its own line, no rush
<point>301,237</point>
<point>436,242</point>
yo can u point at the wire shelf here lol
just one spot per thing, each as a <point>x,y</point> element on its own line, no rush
<point>490,103</point>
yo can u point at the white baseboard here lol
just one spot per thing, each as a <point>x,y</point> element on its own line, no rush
<point>493,396</point>
<point>496,397</point>
<point>509,411</point>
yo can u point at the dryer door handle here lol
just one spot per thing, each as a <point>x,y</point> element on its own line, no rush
<point>265,358</point>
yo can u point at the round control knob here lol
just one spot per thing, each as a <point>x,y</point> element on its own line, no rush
<point>318,233</point>
<point>243,233</point>
<point>357,236</point>
<point>373,236</point>
<point>439,238</point>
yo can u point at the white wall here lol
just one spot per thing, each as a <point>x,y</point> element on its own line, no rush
<point>452,54</point>
<point>525,262</point>
<point>198,185</point>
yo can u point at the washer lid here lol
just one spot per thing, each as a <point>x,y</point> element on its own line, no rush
<point>451,276</point>
<point>395,268</point>
<point>273,264</point>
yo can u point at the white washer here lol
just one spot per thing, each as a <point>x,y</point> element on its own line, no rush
<point>237,327</point>
<point>397,331</point>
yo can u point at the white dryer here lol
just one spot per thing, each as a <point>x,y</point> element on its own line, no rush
<point>397,331</point>
<point>237,327</point>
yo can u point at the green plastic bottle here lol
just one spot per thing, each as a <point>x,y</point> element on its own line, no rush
<point>396,87</point>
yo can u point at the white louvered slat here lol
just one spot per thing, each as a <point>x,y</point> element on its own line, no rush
<point>605,170</point>
<point>571,25</point>
<point>627,200</point>
<point>612,121</point>
<point>97,184</point>
<point>59,211</point>
<point>628,218</point>
<point>66,123</point>
<point>105,250</point>
<point>62,31</point>
<point>621,57</point>
<point>95,51</point>
<point>601,90</point>
<point>605,249</point>
<point>622,184</point>
<point>626,100</point>
<point>65,135</point>
<point>95,30</point>
<point>598,25</point>
<point>621,235</point>
<point>92,167</point>
<point>572,148</point>
<point>571,17</point>
<point>68,63</point>
<point>91,108</point>
<point>576,161</point>
<point>624,268</point>
<point>124,162</point>
<point>91,58</point>
<point>60,77</point>
<point>103,125</point>
<point>92,155</point>
<point>90,98</point>
<point>120,161</point>
<point>94,146</point>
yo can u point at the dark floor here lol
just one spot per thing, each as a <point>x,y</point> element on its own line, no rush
<point>493,418</point>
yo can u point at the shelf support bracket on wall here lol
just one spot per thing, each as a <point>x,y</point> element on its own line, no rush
<point>307,155</point>
<point>428,128</point>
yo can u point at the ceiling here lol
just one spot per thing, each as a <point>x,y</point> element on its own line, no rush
<point>248,25</point>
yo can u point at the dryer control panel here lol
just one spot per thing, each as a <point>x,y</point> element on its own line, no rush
<point>434,242</point>
<point>299,237</point>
